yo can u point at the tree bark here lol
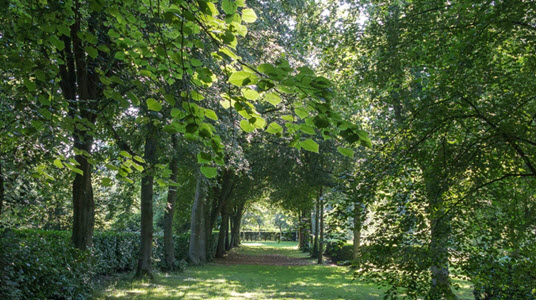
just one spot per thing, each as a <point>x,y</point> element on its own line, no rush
<point>440,232</point>
<point>358,210</point>
<point>237,222</point>
<point>146,237</point>
<point>169,249</point>
<point>220,249</point>
<point>2,191</point>
<point>321,238</point>
<point>317,219</point>
<point>227,237</point>
<point>83,202</point>
<point>197,253</point>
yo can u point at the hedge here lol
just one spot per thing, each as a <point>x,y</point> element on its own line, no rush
<point>37,264</point>
<point>339,251</point>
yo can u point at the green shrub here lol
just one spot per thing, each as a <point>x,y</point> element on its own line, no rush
<point>339,251</point>
<point>38,264</point>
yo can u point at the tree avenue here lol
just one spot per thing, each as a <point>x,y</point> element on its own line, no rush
<point>140,135</point>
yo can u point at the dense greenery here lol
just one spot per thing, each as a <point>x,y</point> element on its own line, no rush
<point>397,137</point>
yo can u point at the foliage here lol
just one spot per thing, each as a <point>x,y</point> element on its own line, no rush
<point>43,264</point>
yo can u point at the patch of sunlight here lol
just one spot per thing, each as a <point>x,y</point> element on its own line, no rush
<point>246,295</point>
<point>254,244</point>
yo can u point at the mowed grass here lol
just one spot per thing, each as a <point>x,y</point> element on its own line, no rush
<point>214,281</point>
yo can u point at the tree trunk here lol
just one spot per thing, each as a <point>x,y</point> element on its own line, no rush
<point>2,192</point>
<point>440,232</point>
<point>321,238</point>
<point>197,253</point>
<point>220,249</point>
<point>358,210</point>
<point>227,237</point>
<point>146,237</point>
<point>237,220</point>
<point>169,249</point>
<point>317,219</point>
<point>83,202</point>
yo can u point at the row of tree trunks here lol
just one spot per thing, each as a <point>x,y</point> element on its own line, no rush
<point>169,249</point>
<point>147,180</point>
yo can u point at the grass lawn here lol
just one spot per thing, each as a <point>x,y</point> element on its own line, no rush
<point>216,281</point>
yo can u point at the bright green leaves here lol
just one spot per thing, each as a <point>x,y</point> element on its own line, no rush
<point>274,128</point>
<point>246,126</point>
<point>250,94</point>
<point>346,152</point>
<point>58,164</point>
<point>309,145</point>
<point>229,6</point>
<point>272,98</point>
<point>242,78</point>
<point>209,172</point>
<point>249,15</point>
<point>153,105</point>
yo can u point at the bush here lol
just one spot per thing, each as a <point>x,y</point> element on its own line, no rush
<point>339,251</point>
<point>503,277</point>
<point>39,264</point>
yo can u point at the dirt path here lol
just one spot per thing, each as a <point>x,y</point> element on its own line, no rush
<point>234,258</point>
<point>265,254</point>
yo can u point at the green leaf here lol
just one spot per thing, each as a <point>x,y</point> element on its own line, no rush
<point>175,112</point>
<point>309,145</point>
<point>205,130</point>
<point>153,105</point>
<point>272,98</point>
<point>346,152</point>
<point>249,15</point>
<point>133,98</point>
<point>250,94</point>
<point>209,113</point>
<point>209,172</point>
<point>125,154</point>
<point>58,163</point>
<point>229,6</point>
<point>246,126</point>
<point>241,78</point>
<point>92,52</point>
<point>301,112</point>
<point>196,96</point>
<point>274,128</point>
<point>307,129</point>
<point>107,181</point>
<point>139,159</point>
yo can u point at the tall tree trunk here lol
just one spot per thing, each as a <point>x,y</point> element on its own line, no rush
<point>317,221</point>
<point>79,87</point>
<point>358,210</point>
<point>227,237</point>
<point>197,253</point>
<point>237,222</point>
<point>2,191</point>
<point>440,232</point>
<point>169,249</point>
<point>220,248</point>
<point>300,231</point>
<point>146,237</point>
<point>83,202</point>
<point>321,238</point>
